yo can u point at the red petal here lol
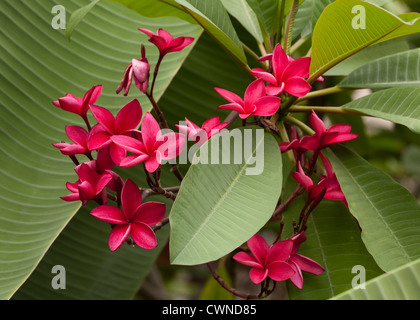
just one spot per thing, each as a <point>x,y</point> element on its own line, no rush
<point>128,117</point>
<point>232,106</point>
<point>317,123</point>
<point>104,117</point>
<point>71,104</point>
<point>150,131</point>
<point>258,247</point>
<point>297,86</point>
<point>109,214</point>
<point>258,275</point>
<point>274,90</point>
<point>117,153</point>
<point>99,141</point>
<point>118,236</point>
<point>150,213</point>
<point>264,75</point>
<point>255,91</point>
<point>77,135</point>
<point>280,271</point>
<point>143,236</point>
<point>297,277</point>
<point>307,265</point>
<point>153,163</point>
<point>130,199</point>
<point>129,144</point>
<point>280,61</point>
<point>279,252</point>
<point>298,68</point>
<point>247,259</point>
<point>131,161</point>
<point>230,96</point>
<point>267,106</point>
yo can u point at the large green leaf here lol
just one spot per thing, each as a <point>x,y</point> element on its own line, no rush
<point>220,206</point>
<point>398,70</point>
<point>335,38</point>
<point>213,17</point>
<point>402,283</point>
<point>400,105</point>
<point>387,213</point>
<point>333,240</point>
<point>39,65</point>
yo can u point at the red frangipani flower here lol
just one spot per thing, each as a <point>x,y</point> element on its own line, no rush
<point>134,219</point>
<point>126,121</point>
<point>288,74</point>
<point>267,261</point>
<point>255,101</point>
<point>78,105</point>
<point>325,137</point>
<point>151,146</point>
<point>330,181</point>
<point>199,135</point>
<point>80,138</point>
<point>90,186</point>
<point>301,263</point>
<point>313,191</point>
<point>139,69</point>
<point>165,42</point>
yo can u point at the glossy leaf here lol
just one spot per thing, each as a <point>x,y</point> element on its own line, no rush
<point>213,17</point>
<point>340,33</point>
<point>398,70</point>
<point>387,213</point>
<point>33,173</point>
<point>399,105</point>
<point>220,206</point>
<point>400,284</point>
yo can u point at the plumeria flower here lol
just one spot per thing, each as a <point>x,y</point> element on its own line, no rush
<point>151,146</point>
<point>80,138</point>
<point>139,69</point>
<point>288,74</point>
<point>330,181</point>
<point>301,263</point>
<point>134,219</point>
<point>127,120</point>
<point>199,135</point>
<point>255,101</point>
<point>77,105</point>
<point>294,144</point>
<point>325,137</point>
<point>165,42</point>
<point>90,186</point>
<point>267,261</point>
<point>314,191</point>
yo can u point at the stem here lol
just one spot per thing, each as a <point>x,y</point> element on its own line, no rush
<point>336,110</point>
<point>285,138</point>
<point>282,206</point>
<point>155,73</point>
<point>322,92</point>
<point>300,124</point>
<point>230,289</point>
<point>160,224</point>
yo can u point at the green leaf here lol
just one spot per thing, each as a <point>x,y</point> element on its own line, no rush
<point>387,213</point>
<point>213,17</point>
<point>34,173</point>
<point>398,70</point>
<point>336,39</point>
<point>399,105</point>
<point>402,283</point>
<point>410,160</point>
<point>220,206</point>
<point>241,10</point>
<point>78,16</point>
<point>333,240</point>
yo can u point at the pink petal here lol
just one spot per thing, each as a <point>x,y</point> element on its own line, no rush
<point>102,182</point>
<point>150,213</point>
<point>302,178</point>
<point>99,141</point>
<point>258,247</point>
<point>153,163</point>
<point>307,265</point>
<point>117,153</point>
<point>296,278</point>
<point>129,144</point>
<point>118,236</point>
<point>77,135</point>
<point>133,160</point>
<point>210,123</point>
<point>230,96</point>
<point>341,128</point>
<point>310,143</point>
<point>264,75</point>
<point>86,191</point>
<point>171,145</point>
<point>71,197</point>
<point>150,131</point>
<point>143,236</point>
<point>232,106</point>
<point>70,149</point>
<point>109,214</point>
<point>298,68</point>
<point>247,259</point>
<point>280,271</point>
<point>279,62</point>
<point>93,93</point>
<point>297,86</point>
<point>258,275</point>
<point>267,106</point>
<point>165,35</point>
<point>279,252</point>
<point>128,117</point>
<point>147,32</point>
<point>317,123</point>
<point>255,91</point>
<point>71,104</point>
<point>273,90</point>
<point>130,199</point>
<point>104,117</point>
